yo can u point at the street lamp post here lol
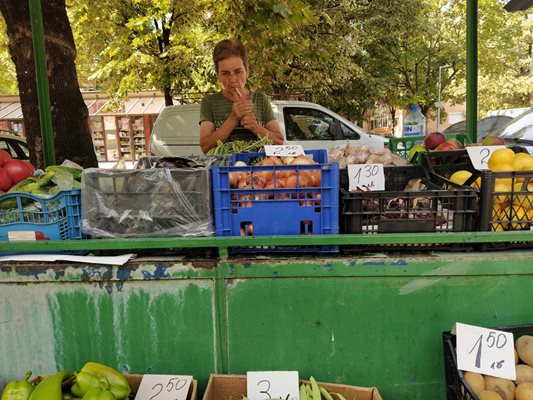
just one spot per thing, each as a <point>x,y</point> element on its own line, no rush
<point>438,94</point>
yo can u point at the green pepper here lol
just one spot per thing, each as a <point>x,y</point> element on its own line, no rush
<point>98,375</point>
<point>18,390</point>
<point>96,393</point>
<point>50,387</point>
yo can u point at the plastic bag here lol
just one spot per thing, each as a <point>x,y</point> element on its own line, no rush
<point>157,202</point>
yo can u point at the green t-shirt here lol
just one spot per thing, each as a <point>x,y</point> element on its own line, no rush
<point>216,108</point>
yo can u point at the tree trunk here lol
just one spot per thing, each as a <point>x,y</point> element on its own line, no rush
<point>72,138</point>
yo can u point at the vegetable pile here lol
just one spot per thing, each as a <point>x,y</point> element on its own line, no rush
<point>12,171</point>
<point>55,179</point>
<point>240,146</point>
<point>363,154</point>
<point>93,382</point>
<point>271,178</point>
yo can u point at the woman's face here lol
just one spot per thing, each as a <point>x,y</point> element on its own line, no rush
<point>232,74</point>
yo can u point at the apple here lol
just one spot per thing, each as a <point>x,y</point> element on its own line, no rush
<point>492,140</point>
<point>433,139</point>
<point>446,146</point>
<point>456,143</point>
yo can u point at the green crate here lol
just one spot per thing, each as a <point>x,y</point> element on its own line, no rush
<point>403,145</point>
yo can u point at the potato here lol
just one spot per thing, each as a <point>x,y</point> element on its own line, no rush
<point>489,395</point>
<point>524,373</point>
<point>475,381</point>
<point>504,387</point>
<point>524,347</point>
<point>516,359</point>
<point>524,391</point>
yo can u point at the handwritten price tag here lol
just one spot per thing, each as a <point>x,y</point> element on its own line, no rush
<point>486,351</point>
<point>284,150</point>
<point>366,177</point>
<point>164,387</point>
<point>263,385</point>
<point>479,155</point>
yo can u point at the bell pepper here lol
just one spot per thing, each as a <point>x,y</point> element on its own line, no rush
<point>18,390</point>
<point>97,393</point>
<point>100,376</point>
<point>50,387</point>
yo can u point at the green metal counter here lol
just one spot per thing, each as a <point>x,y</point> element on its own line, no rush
<point>363,319</point>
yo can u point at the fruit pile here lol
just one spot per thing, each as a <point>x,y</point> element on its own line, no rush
<point>434,141</point>
<point>512,207</point>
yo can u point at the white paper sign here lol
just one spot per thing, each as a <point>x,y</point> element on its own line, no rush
<point>284,150</point>
<point>366,177</point>
<point>486,351</point>
<point>164,387</point>
<point>479,155</point>
<point>15,236</point>
<point>264,385</point>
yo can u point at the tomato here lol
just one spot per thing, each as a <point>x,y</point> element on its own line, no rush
<point>4,157</point>
<point>5,180</point>
<point>17,170</point>
<point>31,168</point>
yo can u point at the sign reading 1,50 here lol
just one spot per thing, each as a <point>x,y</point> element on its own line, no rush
<point>493,339</point>
<point>366,171</point>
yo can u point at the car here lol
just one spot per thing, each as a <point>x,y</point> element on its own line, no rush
<point>485,126</point>
<point>176,131</point>
<point>15,145</point>
<point>518,131</point>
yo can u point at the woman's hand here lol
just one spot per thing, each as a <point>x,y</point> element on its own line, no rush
<point>249,121</point>
<point>241,108</point>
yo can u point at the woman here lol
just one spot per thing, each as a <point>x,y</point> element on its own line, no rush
<point>235,113</point>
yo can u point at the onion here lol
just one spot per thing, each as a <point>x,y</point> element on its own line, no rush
<point>233,179</point>
<point>275,160</point>
<point>305,179</point>
<point>316,176</point>
<point>240,164</point>
<point>302,160</point>
<point>290,181</point>
<point>258,182</point>
<point>242,182</point>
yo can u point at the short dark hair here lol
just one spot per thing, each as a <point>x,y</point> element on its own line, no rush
<point>230,48</point>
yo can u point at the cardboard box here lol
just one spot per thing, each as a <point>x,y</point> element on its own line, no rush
<point>134,380</point>
<point>233,387</point>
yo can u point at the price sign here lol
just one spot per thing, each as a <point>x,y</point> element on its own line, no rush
<point>366,177</point>
<point>284,150</point>
<point>486,351</point>
<point>264,385</point>
<point>164,387</point>
<point>479,155</point>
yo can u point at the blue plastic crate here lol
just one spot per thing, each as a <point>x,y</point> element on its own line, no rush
<point>56,218</point>
<point>277,211</point>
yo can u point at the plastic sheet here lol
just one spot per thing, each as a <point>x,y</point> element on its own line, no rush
<point>158,202</point>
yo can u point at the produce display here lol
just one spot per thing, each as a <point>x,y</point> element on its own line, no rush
<point>239,146</point>
<point>488,387</point>
<point>93,382</point>
<point>12,171</point>
<point>363,155</point>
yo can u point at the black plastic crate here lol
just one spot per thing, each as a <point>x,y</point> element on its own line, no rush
<point>456,386</point>
<point>506,202</point>
<point>396,177</point>
<point>441,165</point>
<point>393,211</point>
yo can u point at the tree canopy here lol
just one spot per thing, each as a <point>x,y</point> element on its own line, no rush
<point>348,54</point>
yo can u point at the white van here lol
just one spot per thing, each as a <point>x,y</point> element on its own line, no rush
<point>176,131</point>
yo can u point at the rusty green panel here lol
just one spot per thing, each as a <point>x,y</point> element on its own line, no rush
<point>155,326</point>
<point>366,331</point>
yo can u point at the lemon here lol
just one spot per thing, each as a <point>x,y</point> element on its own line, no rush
<point>519,218</point>
<point>505,188</point>
<point>460,177</point>
<point>500,217</point>
<point>522,162</point>
<point>501,160</point>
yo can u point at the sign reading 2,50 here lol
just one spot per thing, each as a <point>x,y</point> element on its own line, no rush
<point>173,385</point>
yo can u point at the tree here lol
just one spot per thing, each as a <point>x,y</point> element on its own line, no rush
<point>71,134</point>
<point>143,44</point>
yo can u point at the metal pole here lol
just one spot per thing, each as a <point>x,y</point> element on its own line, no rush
<point>41,74</point>
<point>438,94</point>
<point>471,69</point>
